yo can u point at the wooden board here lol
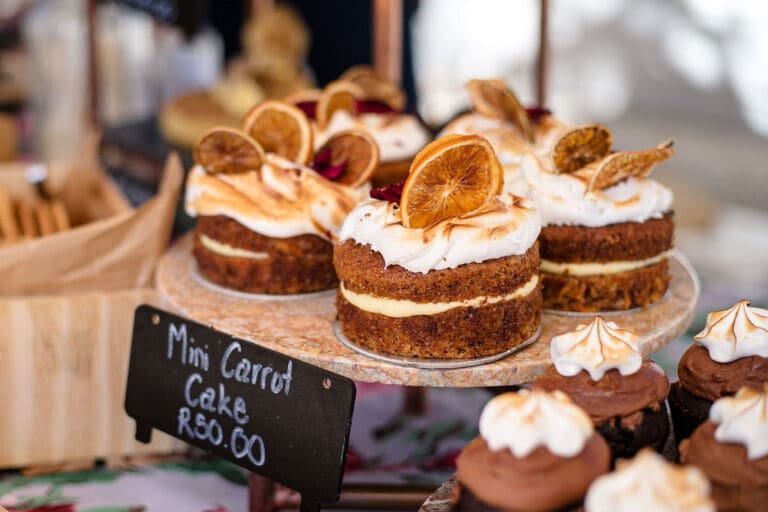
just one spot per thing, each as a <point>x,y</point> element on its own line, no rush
<point>303,327</point>
<point>64,362</point>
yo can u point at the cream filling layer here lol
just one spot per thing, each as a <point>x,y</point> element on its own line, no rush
<point>229,251</point>
<point>593,269</point>
<point>401,308</point>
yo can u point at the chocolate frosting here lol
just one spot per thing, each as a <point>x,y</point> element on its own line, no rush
<point>737,482</point>
<point>614,394</point>
<point>538,481</point>
<point>706,378</point>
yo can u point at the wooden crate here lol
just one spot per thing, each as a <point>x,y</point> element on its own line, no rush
<point>63,369</point>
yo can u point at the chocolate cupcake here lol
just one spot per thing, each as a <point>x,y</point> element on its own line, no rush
<point>536,451</point>
<point>602,369</point>
<point>731,448</point>
<point>730,353</point>
<point>648,483</point>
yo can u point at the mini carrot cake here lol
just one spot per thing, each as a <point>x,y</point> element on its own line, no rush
<point>267,210</point>
<point>449,269</point>
<point>363,99</point>
<point>607,228</point>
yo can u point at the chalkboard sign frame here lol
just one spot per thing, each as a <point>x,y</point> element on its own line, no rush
<point>281,418</point>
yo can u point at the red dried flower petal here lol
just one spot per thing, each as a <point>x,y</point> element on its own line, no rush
<point>536,113</point>
<point>308,107</point>
<point>322,165</point>
<point>392,193</point>
<point>372,107</point>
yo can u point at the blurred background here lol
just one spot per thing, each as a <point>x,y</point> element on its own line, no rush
<point>162,70</point>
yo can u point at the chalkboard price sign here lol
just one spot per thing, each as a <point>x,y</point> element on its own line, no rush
<point>281,418</point>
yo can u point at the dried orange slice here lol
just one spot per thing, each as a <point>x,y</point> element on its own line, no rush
<point>228,151</point>
<point>376,86</point>
<point>618,166</point>
<point>581,146</point>
<point>338,95</point>
<point>494,99</point>
<point>451,176</point>
<point>354,155</point>
<point>280,128</point>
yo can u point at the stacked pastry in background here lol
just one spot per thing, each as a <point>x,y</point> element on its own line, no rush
<point>275,48</point>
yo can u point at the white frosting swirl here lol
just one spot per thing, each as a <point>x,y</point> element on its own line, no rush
<point>596,348</point>
<point>525,420</point>
<point>740,331</point>
<point>399,136</point>
<point>743,419</point>
<point>562,200</point>
<point>280,200</point>
<point>649,483</point>
<point>504,227</point>
<point>506,140</point>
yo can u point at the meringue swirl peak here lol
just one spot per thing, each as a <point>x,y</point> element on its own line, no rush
<point>596,348</point>
<point>743,419</point>
<point>734,333</point>
<point>528,419</point>
<point>648,482</point>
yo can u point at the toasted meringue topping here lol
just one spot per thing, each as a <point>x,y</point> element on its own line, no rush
<point>596,348</point>
<point>281,200</point>
<point>525,420</point>
<point>506,140</point>
<point>743,419</point>
<point>649,483</point>
<point>562,198</point>
<point>399,136</point>
<point>504,227</point>
<point>740,331</point>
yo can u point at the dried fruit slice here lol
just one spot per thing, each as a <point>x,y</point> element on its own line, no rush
<point>451,176</point>
<point>349,157</point>
<point>228,151</point>
<point>280,128</point>
<point>493,98</point>
<point>618,166</point>
<point>376,86</point>
<point>337,96</point>
<point>581,146</point>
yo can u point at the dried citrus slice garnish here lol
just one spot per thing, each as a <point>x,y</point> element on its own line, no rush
<point>376,86</point>
<point>494,99</point>
<point>348,157</point>
<point>581,146</point>
<point>616,167</point>
<point>228,151</point>
<point>280,128</point>
<point>451,176</point>
<point>338,95</point>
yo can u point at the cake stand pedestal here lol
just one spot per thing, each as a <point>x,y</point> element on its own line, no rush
<point>302,327</point>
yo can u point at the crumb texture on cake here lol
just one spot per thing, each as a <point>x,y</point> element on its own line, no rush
<point>621,291</point>
<point>627,241</point>
<point>300,264</point>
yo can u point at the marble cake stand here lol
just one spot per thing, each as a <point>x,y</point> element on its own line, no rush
<point>303,328</point>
